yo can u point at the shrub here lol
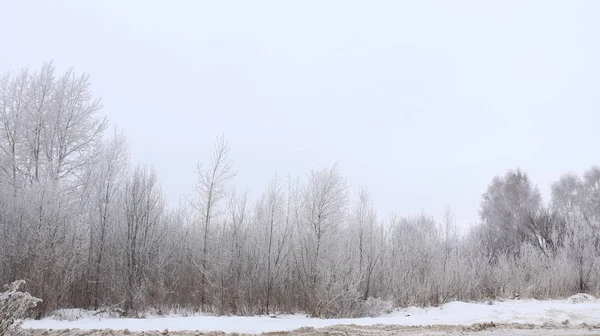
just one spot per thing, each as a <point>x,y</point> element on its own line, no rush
<point>13,307</point>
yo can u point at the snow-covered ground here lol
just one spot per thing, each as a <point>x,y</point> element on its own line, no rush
<point>455,313</point>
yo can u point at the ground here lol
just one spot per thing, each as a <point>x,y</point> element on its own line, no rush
<point>577,315</point>
<point>475,330</point>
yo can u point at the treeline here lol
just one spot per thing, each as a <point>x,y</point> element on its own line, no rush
<point>85,229</point>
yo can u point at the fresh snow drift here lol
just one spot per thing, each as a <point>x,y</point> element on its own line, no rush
<point>454,313</point>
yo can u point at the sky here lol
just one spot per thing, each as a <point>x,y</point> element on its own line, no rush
<point>421,102</point>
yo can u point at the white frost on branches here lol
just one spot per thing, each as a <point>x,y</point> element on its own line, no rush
<point>13,307</point>
<point>89,231</point>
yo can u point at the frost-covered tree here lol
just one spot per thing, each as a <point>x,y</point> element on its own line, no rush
<point>416,254</point>
<point>566,193</point>
<point>88,231</point>
<point>449,282</point>
<point>107,177</point>
<point>581,244</point>
<point>366,241</point>
<point>143,207</point>
<point>324,204</point>
<point>211,188</point>
<point>274,234</point>
<point>506,208</point>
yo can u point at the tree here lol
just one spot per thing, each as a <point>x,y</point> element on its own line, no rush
<point>13,102</point>
<point>566,193</point>
<point>591,194</point>
<point>76,129</point>
<point>570,194</point>
<point>363,222</point>
<point>235,262</point>
<point>506,207</point>
<point>325,199</point>
<point>274,235</point>
<point>144,207</point>
<point>37,118</point>
<point>88,231</point>
<point>546,229</point>
<point>415,252</point>
<point>450,236</point>
<point>110,171</point>
<point>580,246</point>
<point>211,189</point>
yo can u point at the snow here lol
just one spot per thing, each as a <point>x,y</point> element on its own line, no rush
<point>581,298</point>
<point>454,313</point>
<point>75,314</point>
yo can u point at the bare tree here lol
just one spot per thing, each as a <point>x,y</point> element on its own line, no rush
<point>235,262</point>
<point>505,209</point>
<point>324,211</point>
<point>211,189</point>
<point>274,235</point>
<point>450,245</point>
<point>76,129</point>
<point>87,231</point>
<point>111,172</point>
<point>566,193</point>
<point>364,222</point>
<point>38,120</point>
<point>13,103</point>
<point>143,208</point>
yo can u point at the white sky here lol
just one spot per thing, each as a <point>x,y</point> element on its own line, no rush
<point>423,102</point>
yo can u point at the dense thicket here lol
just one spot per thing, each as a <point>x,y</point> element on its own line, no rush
<point>85,229</point>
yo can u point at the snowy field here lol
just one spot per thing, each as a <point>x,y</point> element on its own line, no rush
<point>562,317</point>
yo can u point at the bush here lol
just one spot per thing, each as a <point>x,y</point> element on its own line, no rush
<point>13,307</point>
<point>374,307</point>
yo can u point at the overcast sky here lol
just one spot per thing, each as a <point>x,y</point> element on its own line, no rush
<point>423,102</point>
